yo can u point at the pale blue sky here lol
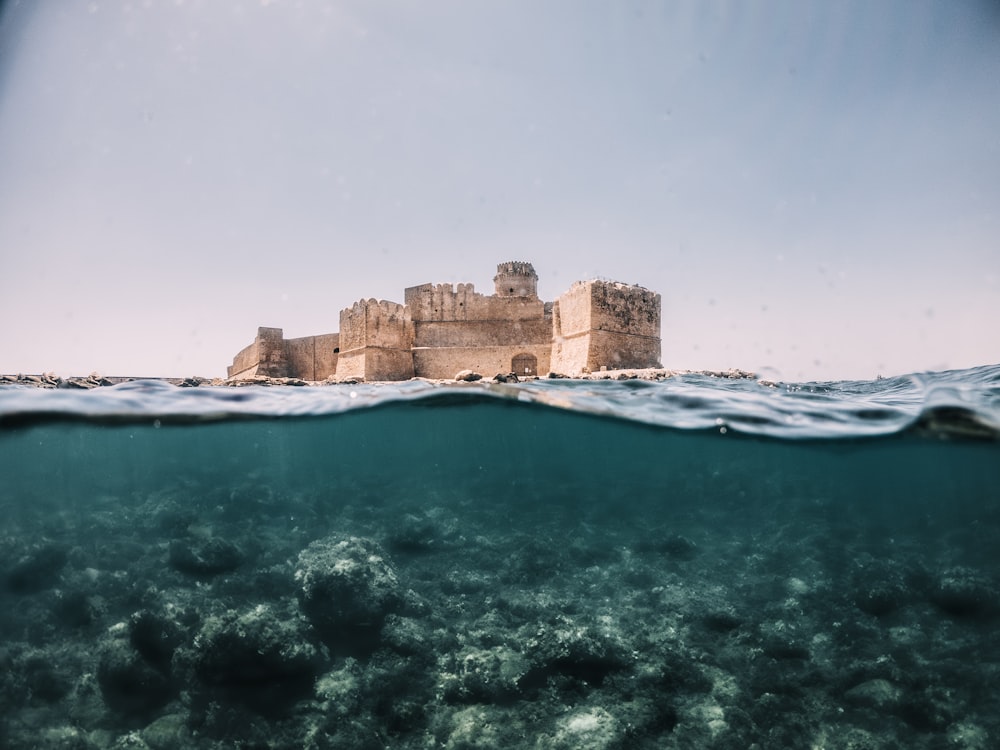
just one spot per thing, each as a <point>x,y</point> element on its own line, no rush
<point>813,187</point>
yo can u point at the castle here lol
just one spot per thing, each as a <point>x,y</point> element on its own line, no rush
<point>441,330</point>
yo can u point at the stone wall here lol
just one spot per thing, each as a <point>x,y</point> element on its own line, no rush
<point>625,309</point>
<point>605,324</point>
<point>271,355</point>
<point>376,341</point>
<point>458,329</point>
<point>265,356</point>
<point>446,362</point>
<point>443,302</point>
<point>313,357</point>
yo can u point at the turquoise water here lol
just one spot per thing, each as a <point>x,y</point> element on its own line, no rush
<point>689,563</point>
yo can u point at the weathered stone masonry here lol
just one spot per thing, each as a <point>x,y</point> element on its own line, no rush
<point>441,329</point>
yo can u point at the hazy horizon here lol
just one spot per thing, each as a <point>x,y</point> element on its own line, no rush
<point>813,188</point>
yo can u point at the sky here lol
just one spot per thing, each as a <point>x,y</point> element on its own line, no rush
<point>812,186</point>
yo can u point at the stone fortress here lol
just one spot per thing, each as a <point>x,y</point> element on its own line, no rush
<point>441,330</point>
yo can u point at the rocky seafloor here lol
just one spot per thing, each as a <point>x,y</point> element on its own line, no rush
<point>202,616</point>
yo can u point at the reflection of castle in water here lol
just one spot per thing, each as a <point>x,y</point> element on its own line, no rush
<point>441,330</point>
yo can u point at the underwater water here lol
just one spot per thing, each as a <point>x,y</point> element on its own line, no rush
<point>693,563</point>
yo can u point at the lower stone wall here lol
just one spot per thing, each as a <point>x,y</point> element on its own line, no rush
<point>486,333</point>
<point>265,356</point>
<point>618,351</point>
<point>570,354</point>
<point>372,363</point>
<point>313,357</point>
<point>589,352</point>
<point>245,363</point>
<point>446,362</point>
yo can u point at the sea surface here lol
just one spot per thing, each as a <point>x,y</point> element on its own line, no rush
<point>690,563</point>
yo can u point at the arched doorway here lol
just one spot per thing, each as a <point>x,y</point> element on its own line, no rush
<point>524,364</point>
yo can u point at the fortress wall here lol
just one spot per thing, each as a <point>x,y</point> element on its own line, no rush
<point>376,337</point>
<point>573,311</point>
<point>265,356</point>
<point>443,303</point>
<point>482,333</point>
<point>313,357</point>
<point>372,364</point>
<point>618,351</point>
<point>244,362</point>
<point>570,355</point>
<point>377,323</point>
<point>590,351</point>
<point>624,308</point>
<point>446,362</point>
<point>604,323</point>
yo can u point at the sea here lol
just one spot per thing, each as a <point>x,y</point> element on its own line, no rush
<point>695,562</point>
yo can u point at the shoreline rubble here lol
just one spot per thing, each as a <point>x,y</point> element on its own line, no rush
<point>94,380</point>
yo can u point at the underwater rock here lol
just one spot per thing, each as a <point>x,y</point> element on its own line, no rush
<point>264,658</point>
<point>155,638</point>
<point>129,684</point>
<point>204,558</point>
<point>474,727</point>
<point>47,682</point>
<point>484,675</point>
<point>398,692</point>
<point>879,694</point>
<point>418,534</point>
<point>37,570</point>
<point>721,621</point>
<point>340,690</point>
<point>347,587</point>
<point>407,636</point>
<point>589,729</point>
<point>963,592</point>
<point>167,733</point>
<point>566,651</point>
<point>75,610</point>
<point>880,587</point>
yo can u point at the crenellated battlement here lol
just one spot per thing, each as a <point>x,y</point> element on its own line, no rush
<point>375,323</point>
<point>516,278</point>
<point>516,267</point>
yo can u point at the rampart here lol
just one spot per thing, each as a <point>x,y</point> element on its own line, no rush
<point>273,356</point>
<point>442,329</point>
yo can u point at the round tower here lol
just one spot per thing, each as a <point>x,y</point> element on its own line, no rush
<point>516,278</point>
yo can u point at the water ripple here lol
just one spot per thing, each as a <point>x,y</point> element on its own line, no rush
<point>957,403</point>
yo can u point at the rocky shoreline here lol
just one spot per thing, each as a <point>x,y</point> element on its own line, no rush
<point>94,380</point>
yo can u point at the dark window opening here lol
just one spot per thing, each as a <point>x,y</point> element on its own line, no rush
<point>336,350</point>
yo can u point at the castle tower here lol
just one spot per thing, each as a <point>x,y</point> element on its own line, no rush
<point>605,324</point>
<point>516,279</point>
<point>376,341</point>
